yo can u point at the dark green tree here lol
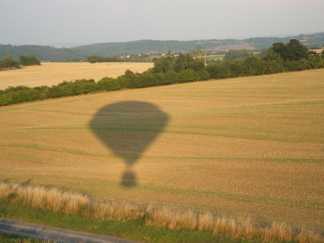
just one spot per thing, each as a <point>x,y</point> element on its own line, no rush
<point>164,64</point>
<point>293,51</point>
<point>186,61</point>
<point>296,50</point>
<point>280,49</point>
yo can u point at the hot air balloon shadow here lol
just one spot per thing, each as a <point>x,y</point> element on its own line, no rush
<point>128,129</point>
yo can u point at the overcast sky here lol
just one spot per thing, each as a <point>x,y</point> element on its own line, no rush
<point>72,22</point>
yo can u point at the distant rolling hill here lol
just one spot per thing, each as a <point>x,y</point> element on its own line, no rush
<point>45,53</point>
<point>49,53</point>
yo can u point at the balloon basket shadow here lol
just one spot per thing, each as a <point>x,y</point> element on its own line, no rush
<point>128,179</point>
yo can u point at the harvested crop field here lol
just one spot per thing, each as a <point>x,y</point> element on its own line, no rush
<point>53,73</point>
<point>250,146</point>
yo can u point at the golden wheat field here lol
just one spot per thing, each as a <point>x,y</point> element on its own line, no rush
<point>52,73</point>
<point>241,147</point>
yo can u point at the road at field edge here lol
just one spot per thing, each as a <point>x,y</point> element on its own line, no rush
<point>33,231</point>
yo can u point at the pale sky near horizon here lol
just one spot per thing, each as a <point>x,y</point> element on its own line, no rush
<point>74,22</point>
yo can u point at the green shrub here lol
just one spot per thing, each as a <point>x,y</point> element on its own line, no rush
<point>220,69</point>
<point>316,61</point>
<point>9,62</point>
<point>109,84</point>
<point>72,88</point>
<point>29,60</point>
<point>177,64</point>
<point>232,55</point>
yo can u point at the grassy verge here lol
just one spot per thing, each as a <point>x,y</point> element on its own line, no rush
<point>18,239</point>
<point>13,239</point>
<point>145,223</point>
<point>131,229</point>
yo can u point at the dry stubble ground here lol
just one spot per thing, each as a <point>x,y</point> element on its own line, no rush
<point>52,73</point>
<point>247,146</point>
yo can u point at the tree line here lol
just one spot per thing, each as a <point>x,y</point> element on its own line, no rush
<point>281,57</point>
<point>11,63</point>
<point>129,58</point>
<point>95,59</point>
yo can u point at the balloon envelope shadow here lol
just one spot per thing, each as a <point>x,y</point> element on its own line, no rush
<point>128,128</point>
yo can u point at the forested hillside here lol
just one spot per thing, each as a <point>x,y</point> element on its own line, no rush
<point>152,46</point>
